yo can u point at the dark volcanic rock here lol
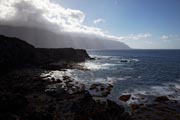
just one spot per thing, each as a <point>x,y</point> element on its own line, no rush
<point>167,110</point>
<point>61,54</point>
<point>134,107</point>
<point>33,103</point>
<point>124,98</point>
<point>16,53</point>
<point>100,90</point>
<point>161,99</point>
<point>12,102</point>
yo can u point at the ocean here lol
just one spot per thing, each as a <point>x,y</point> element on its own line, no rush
<point>144,74</point>
<point>147,73</point>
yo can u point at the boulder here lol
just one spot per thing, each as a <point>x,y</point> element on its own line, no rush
<point>161,99</point>
<point>124,98</point>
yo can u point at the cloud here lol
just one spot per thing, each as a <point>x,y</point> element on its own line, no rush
<point>164,38</point>
<point>99,21</point>
<point>170,37</point>
<point>136,36</point>
<point>48,15</point>
<point>41,14</point>
<point>45,14</point>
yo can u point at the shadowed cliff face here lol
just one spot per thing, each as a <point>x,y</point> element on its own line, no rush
<point>46,39</point>
<point>14,53</point>
<point>17,53</point>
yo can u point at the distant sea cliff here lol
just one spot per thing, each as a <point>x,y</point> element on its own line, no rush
<point>46,39</point>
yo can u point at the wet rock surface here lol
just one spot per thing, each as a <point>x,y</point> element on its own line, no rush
<point>155,108</point>
<point>25,95</point>
<point>100,90</point>
<point>161,99</point>
<point>124,98</point>
<point>158,108</point>
<point>167,110</point>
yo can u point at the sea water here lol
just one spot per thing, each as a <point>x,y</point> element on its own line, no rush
<point>140,73</point>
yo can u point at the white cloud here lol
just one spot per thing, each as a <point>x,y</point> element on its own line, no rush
<point>141,36</point>
<point>99,21</point>
<point>45,14</point>
<point>170,37</point>
<point>164,38</point>
<point>42,14</point>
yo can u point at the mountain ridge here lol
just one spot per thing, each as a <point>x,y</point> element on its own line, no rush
<point>46,39</point>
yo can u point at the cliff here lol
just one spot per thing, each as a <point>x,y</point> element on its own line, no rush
<point>17,53</point>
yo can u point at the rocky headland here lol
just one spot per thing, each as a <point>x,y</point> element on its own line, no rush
<point>25,94</point>
<point>29,91</point>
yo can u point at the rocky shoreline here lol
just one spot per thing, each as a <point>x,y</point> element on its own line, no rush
<point>24,96</point>
<point>28,91</point>
<point>27,95</point>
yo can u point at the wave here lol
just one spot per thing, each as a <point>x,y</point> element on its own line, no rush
<point>101,57</point>
<point>118,58</point>
<point>145,95</point>
<point>92,65</point>
<point>161,90</point>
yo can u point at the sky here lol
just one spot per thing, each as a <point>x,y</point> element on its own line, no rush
<point>159,20</point>
<point>141,24</point>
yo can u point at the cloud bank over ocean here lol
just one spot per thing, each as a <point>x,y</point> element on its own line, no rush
<point>50,16</point>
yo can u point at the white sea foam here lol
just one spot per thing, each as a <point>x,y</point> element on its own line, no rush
<point>57,74</point>
<point>136,60</point>
<point>92,66</point>
<point>140,92</point>
<point>161,90</point>
<point>110,80</point>
<point>77,85</point>
<point>177,86</point>
<point>135,99</point>
<point>171,90</point>
<point>100,57</point>
<point>96,65</point>
<point>88,77</point>
<point>117,78</point>
<point>137,96</point>
<point>103,81</point>
<point>99,80</point>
